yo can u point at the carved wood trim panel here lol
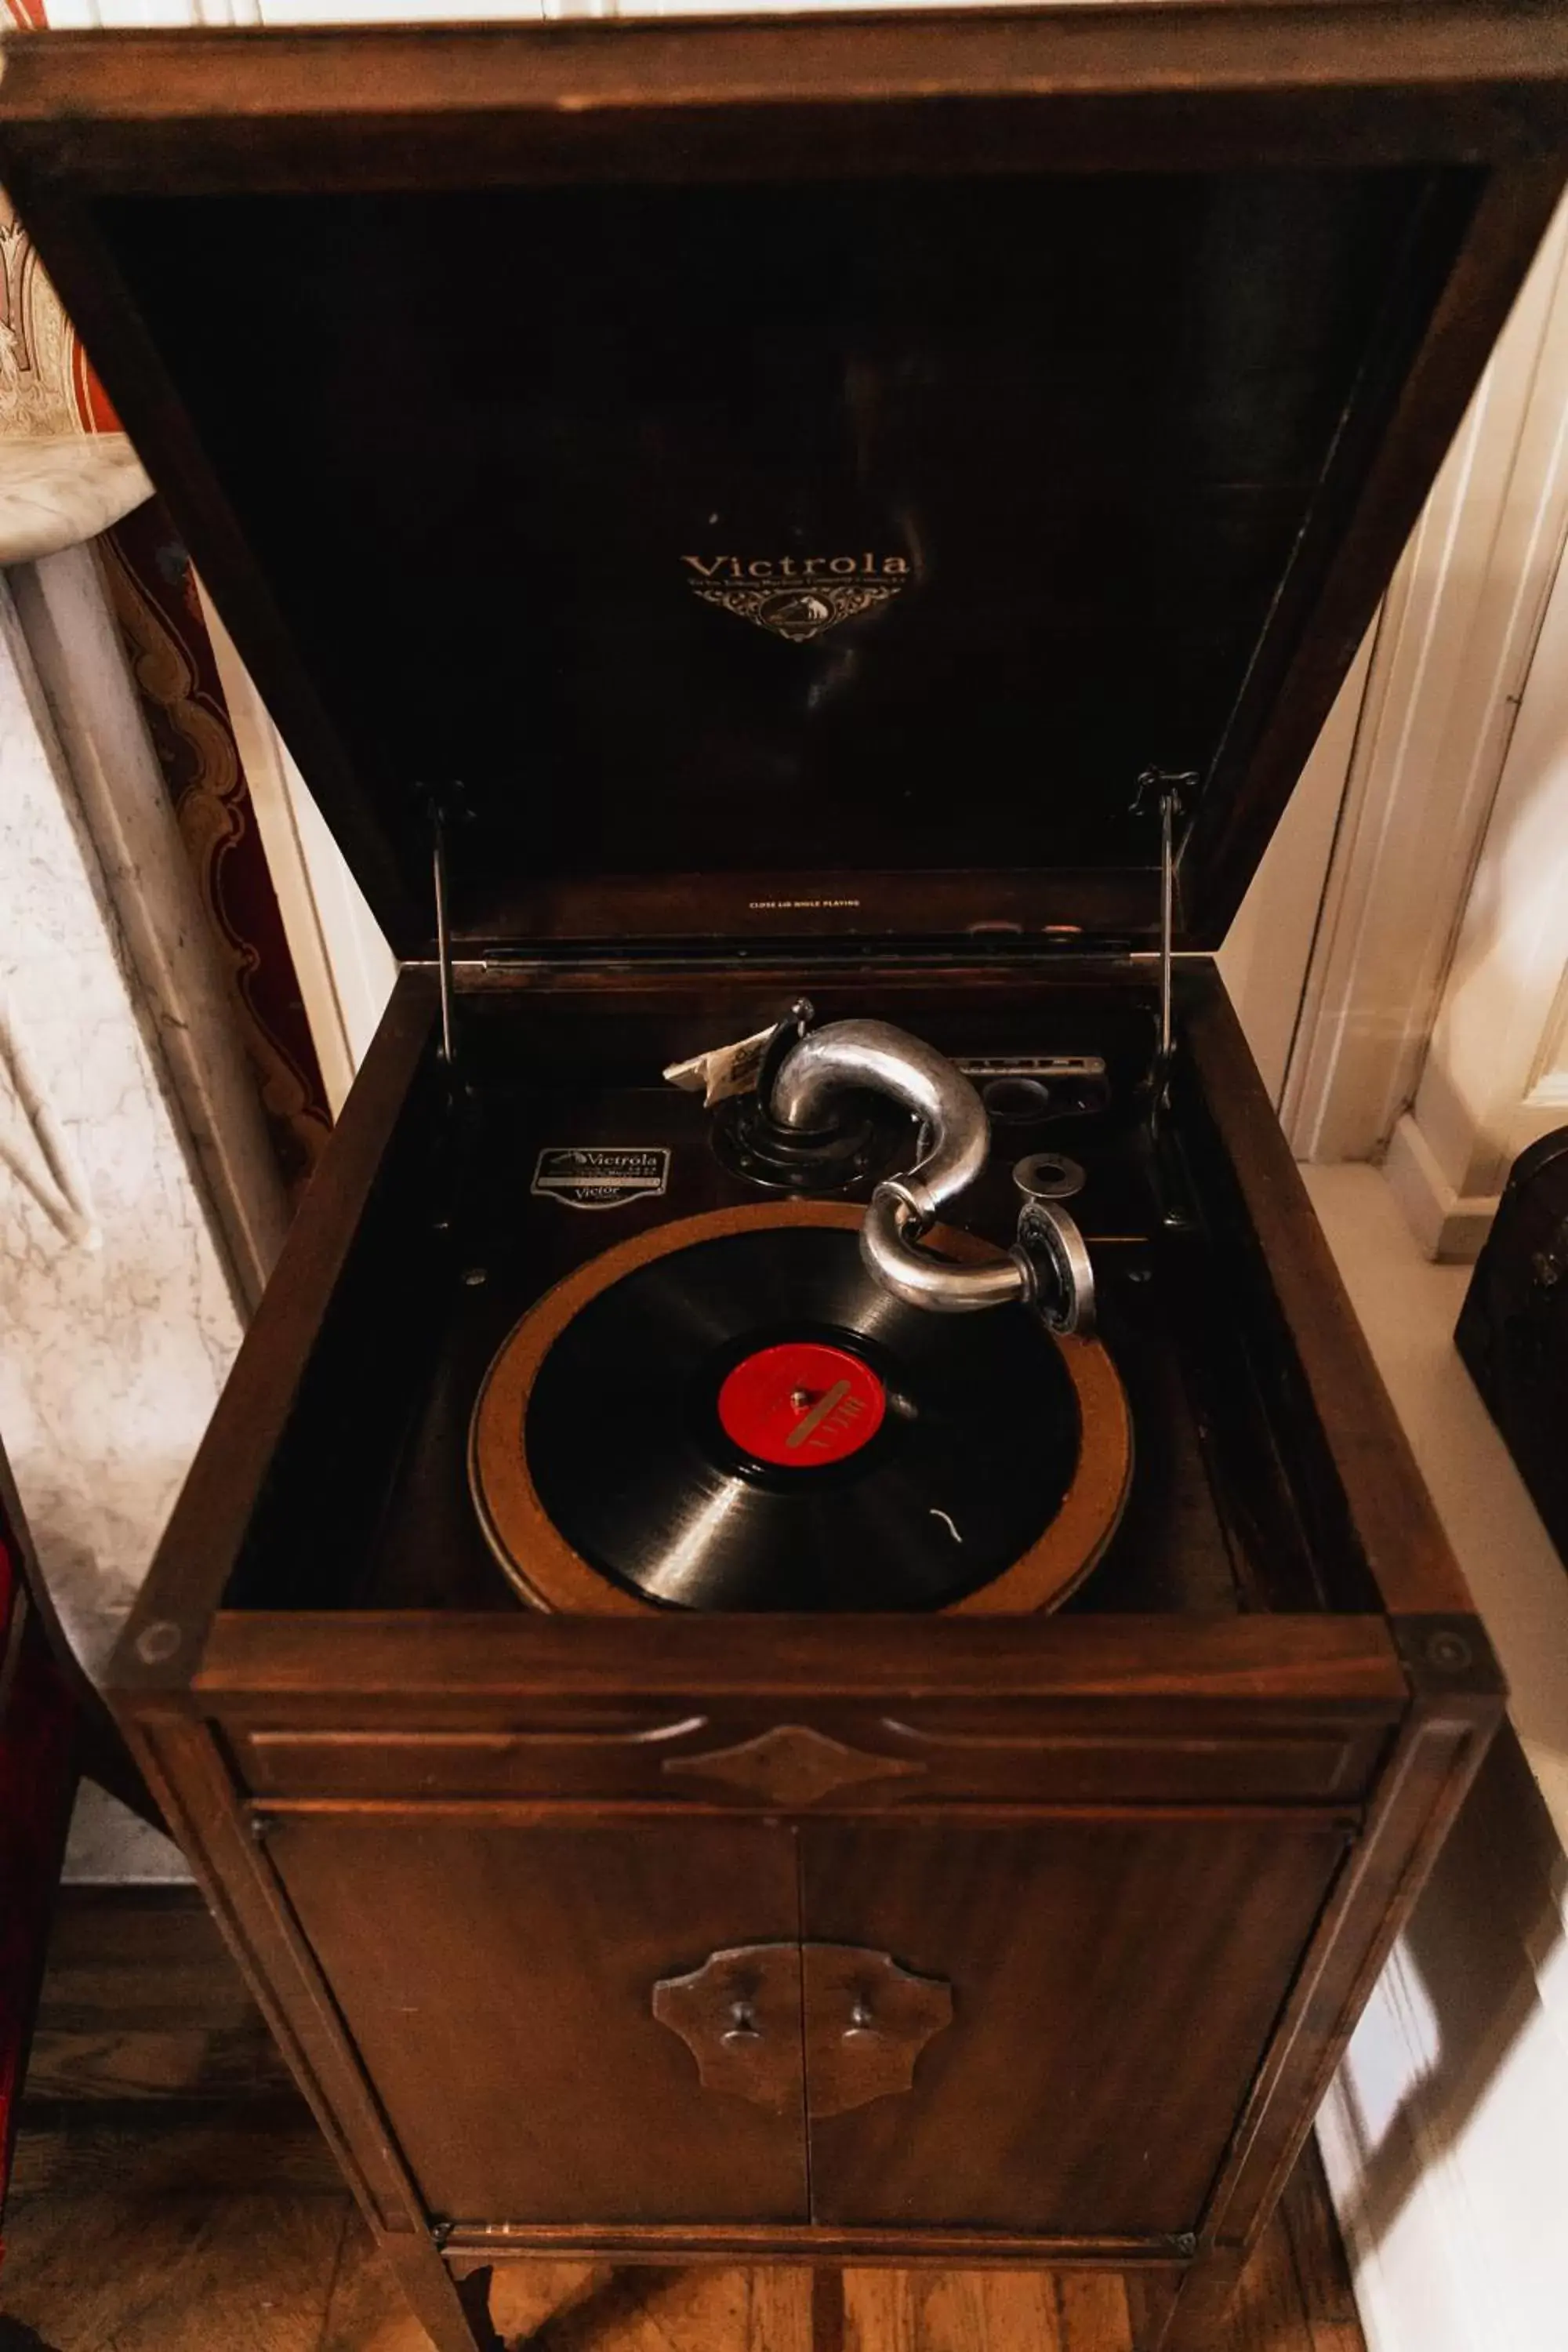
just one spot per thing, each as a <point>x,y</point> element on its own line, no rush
<point>791,1764</point>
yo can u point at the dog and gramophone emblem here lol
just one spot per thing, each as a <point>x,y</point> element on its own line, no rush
<point>797,596</point>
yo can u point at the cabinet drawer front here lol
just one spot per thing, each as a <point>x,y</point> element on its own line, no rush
<point>542,1758</point>
<point>837,1759</point>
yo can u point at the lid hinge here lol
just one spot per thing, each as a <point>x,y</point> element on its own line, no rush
<point>1160,788</point>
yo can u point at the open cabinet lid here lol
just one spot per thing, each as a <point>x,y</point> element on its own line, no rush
<point>794,475</point>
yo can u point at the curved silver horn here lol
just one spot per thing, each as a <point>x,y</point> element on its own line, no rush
<point>875,1055</point>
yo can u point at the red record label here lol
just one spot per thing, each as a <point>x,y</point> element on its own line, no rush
<point>801,1405</point>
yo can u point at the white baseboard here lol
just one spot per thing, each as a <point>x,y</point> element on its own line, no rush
<point>1450,1226</point>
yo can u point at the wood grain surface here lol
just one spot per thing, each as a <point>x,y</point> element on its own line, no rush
<point>1018,2117</point>
<point>165,2234</point>
<point>508,2025</point>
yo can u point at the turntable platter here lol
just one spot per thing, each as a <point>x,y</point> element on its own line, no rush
<point>743,1419</point>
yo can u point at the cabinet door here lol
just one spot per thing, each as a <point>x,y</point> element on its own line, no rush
<point>499,1983</point>
<point>1113,1987</point>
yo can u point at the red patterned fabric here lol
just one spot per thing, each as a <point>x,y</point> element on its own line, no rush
<point>93,405</point>
<point>36,1781</point>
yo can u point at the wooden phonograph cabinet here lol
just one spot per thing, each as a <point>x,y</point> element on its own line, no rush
<point>770,536</point>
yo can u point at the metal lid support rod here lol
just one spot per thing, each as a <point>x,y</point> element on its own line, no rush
<point>443,803</point>
<point>442,933</point>
<point>1169,792</point>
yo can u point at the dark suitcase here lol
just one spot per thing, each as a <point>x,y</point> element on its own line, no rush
<point>1513,1328</point>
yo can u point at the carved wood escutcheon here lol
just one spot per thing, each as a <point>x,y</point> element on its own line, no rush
<point>791,1764</point>
<point>866,2023</point>
<point>739,2015</point>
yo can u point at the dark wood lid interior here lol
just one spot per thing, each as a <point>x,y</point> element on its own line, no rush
<point>500,455</point>
<point>826,550</point>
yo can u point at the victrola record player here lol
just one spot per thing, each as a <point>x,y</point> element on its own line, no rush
<point>833,1656</point>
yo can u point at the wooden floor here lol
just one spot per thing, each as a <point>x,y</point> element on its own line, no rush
<point>138,2228</point>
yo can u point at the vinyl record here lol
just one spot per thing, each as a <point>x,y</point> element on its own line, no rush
<point>753,1423</point>
<point>728,1412</point>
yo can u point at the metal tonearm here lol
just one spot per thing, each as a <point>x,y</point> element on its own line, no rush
<point>1048,1265</point>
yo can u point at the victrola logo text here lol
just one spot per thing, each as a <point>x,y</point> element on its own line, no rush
<point>796,596</point>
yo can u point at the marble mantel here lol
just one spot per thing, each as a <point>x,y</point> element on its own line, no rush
<point>59,488</point>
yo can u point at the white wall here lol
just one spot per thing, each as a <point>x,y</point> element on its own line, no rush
<point>1495,1076</point>
<point>1446,2135</point>
<point>1455,658</point>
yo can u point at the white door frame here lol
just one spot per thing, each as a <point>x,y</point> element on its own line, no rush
<point>1453,649</point>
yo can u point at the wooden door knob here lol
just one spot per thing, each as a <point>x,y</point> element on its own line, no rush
<point>739,2015</point>
<point>866,2021</point>
<point>811,2029</point>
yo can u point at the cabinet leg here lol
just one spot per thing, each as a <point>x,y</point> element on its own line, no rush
<point>1188,2311</point>
<point>454,2314</point>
